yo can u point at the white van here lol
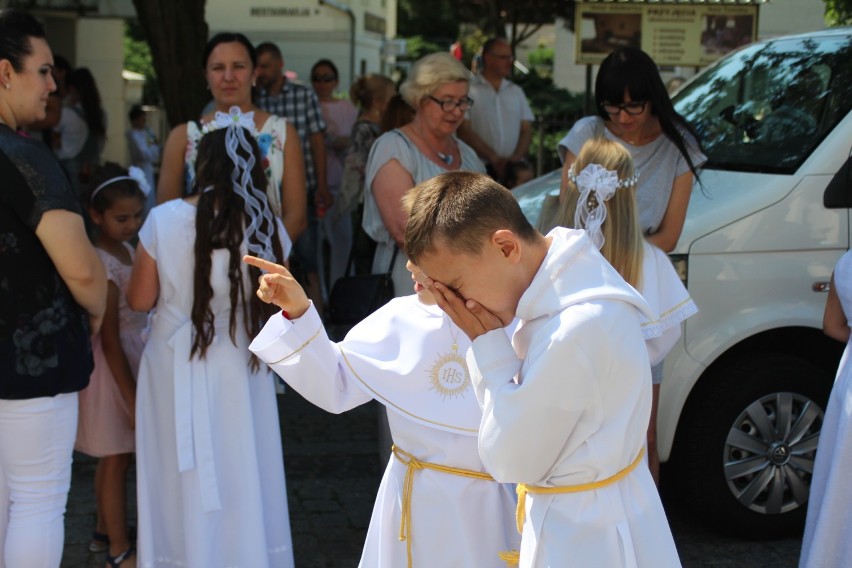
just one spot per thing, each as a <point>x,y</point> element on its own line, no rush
<point>742,399</point>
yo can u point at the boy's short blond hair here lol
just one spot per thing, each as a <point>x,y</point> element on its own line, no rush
<point>460,210</point>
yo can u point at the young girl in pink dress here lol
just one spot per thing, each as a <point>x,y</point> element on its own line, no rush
<point>107,405</point>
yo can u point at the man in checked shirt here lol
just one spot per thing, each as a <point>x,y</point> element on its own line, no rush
<point>300,106</point>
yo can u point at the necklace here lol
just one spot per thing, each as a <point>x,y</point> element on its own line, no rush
<point>449,376</point>
<point>648,134</point>
<point>446,158</point>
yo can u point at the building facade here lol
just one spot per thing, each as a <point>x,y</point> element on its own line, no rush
<point>90,33</point>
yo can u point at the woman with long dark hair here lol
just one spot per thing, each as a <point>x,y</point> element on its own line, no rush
<point>210,473</point>
<point>635,110</point>
<point>53,297</point>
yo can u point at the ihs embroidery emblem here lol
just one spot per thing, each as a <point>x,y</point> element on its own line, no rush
<point>449,375</point>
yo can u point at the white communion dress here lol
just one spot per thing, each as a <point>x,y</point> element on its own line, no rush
<point>210,470</point>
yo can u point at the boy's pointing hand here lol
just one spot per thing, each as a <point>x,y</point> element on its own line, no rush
<point>280,288</point>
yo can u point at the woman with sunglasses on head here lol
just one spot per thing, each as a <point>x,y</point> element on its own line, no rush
<point>634,109</point>
<point>340,116</point>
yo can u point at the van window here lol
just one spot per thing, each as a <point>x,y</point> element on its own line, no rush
<point>768,106</point>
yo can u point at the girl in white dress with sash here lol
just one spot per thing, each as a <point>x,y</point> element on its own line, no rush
<point>436,505</point>
<point>210,470</point>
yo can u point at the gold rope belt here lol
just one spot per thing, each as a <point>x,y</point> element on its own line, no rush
<point>512,558</point>
<point>413,464</point>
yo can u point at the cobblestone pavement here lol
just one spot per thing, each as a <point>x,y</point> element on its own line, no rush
<point>332,476</point>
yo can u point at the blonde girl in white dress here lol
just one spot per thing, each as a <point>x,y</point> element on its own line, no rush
<point>600,187</point>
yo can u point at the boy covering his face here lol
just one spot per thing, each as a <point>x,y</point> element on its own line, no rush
<point>566,403</point>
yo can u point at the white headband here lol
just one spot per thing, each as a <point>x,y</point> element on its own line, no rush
<point>255,201</point>
<point>133,174</point>
<point>596,185</point>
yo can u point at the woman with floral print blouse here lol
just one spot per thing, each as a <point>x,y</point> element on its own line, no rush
<point>229,66</point>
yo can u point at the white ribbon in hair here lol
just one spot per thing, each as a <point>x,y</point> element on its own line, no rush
<point>603,182</point>
<point>235,117</point>
<point>133,174</point>
<point>255,200</point>
<point>137,175</point>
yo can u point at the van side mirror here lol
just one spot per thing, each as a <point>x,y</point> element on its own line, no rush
<point>838,193</point>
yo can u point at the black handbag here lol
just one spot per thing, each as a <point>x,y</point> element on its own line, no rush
<point>353,298</point>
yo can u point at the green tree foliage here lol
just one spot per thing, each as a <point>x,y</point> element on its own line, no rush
<point>555,109</point>
<point>434,19</point>
<point>137,58</point>
<point>541,59</point>
<point>839,12</point>
<point>440,20</point>
<point>472,40</point>
<point>418,46</point>
<point>137,54</point>
<point>521,18</point>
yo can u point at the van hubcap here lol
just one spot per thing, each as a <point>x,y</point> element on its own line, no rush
<point>770,450</point>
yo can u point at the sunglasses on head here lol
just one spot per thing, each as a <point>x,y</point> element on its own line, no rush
<point>323,78</point>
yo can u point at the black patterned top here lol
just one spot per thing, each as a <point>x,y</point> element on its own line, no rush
<point>44,334</point>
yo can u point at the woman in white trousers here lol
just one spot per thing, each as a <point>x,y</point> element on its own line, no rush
<point>53,297</point>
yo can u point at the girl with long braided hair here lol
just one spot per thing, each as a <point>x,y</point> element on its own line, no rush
<point>210,472</point>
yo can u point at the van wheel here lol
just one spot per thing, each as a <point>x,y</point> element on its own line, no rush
<point>745,457</point>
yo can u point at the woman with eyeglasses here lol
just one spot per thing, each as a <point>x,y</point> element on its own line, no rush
<point>634,109</point>
<point>403,157</point>
<point>340,116</point>
<point>437,90</point>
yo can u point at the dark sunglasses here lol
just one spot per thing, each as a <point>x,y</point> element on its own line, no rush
<point>323,78</point>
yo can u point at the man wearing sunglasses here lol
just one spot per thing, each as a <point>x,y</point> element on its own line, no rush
<point>499,125</point>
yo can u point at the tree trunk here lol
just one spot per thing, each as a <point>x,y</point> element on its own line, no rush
<point>177,34</point>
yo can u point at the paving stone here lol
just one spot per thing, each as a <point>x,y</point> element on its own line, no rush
<point>333,472</point>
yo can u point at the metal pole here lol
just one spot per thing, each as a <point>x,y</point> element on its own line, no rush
<point>589,104</point>
<point>539,158</point>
